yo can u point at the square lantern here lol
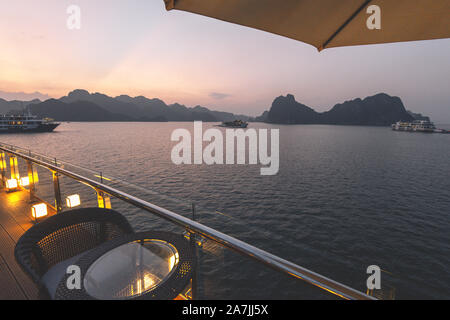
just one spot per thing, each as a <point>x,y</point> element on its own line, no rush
<point>39,210</point>
<point>73,201</point>
<point>11,184</point>
<point>24,181</point>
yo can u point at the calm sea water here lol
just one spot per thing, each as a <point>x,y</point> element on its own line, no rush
<point>345,198</point>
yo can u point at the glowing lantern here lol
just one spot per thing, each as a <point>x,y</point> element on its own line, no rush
<point>39,210</point>
<point>11,184</point>
<point>24,181</point>
<point>73,201</point>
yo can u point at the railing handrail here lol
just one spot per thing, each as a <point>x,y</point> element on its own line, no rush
<point>235,244</point>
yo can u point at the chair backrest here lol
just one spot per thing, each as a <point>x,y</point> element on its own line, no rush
<point>66,235</point>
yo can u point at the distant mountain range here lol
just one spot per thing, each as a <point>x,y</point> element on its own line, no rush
<point>378,110</point>
<point>80,105</point>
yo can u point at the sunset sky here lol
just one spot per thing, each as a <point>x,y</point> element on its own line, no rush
<point>136,47</point>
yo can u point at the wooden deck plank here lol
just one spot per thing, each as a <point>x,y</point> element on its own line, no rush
<point>10,289</point>
<point>14,221</point>
<point>10,225</point>
<point>6,244</point>
<point>7,251</point>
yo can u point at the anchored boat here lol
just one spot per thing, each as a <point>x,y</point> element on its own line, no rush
<point>234,124</point>
<point>26,123</point>
<point>417,126</point>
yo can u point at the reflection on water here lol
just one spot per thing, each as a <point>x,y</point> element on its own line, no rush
<point>344,198</point>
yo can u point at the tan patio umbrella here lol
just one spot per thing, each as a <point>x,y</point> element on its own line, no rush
<point>332,23</point>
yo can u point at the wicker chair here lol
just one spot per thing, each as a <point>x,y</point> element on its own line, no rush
<point>47,248</point>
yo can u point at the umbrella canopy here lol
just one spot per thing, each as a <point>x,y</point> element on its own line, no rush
<point>332,23</point>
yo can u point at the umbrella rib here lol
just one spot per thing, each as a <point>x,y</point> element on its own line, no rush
<point>344,25</point>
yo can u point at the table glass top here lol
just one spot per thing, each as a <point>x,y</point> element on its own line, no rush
<point>131,270</point>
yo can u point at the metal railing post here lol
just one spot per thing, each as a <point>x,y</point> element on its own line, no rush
<point>3,167</point>
<point>56,187</point>
<point>14,167</point>
<point>32,187</point>
<point>103,200</point>
<point>192,239</point>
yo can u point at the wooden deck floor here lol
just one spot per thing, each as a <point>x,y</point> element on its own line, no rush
<point>15,219</point>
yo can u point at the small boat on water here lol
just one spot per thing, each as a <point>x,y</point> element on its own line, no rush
<point>234,124</point>
<point>26,124</point>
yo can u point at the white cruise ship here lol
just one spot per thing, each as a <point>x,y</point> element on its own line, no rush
<point>25,123</point>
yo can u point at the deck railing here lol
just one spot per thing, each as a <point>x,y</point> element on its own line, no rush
<point>194,228</point>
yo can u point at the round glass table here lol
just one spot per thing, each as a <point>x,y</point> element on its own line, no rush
<point>147,265</point>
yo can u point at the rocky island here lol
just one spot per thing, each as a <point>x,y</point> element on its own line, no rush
<point>378,110</point>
